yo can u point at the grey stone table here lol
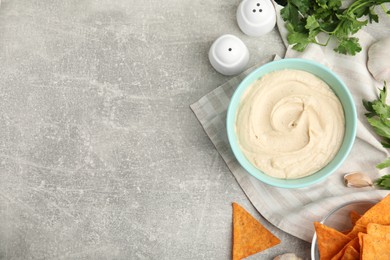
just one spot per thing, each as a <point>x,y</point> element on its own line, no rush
<point>100,154</point>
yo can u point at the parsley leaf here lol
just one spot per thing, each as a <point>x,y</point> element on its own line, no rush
<point>349,46</point>
<point>307,18</point>
<point>378,117</point>
<point>380,127</point>
<point>384,181</point>
<point>300,40</point>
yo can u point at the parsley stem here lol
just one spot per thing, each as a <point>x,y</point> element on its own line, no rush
<point>385,10</point>
<point>324,44</point>
<point>358,4</point>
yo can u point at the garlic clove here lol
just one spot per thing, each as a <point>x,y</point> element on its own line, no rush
<point>379,60</point>
<point>357,180</point>
<point>288,256</point>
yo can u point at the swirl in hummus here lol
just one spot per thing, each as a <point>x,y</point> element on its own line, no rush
<point>290,124</point>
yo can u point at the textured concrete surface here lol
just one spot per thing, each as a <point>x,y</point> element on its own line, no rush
<point>100,154</point>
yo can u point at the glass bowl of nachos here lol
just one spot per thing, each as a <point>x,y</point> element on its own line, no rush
<point>352,231</point>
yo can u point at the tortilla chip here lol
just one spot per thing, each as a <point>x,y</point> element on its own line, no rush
<point>377,214</point>
<point>354,216</point>
<point>355,230</point>
<point>330,241</point>
<point>354,243</point>
<point>350,254</point>
<point>249,236</point>
<point>360,237</point>
<point>375,247</point>
<point>378,230</point>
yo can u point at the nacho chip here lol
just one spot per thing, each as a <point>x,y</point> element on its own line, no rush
<point>379,230</point>
<point>354,216</point>
<point>330,241</point>
<point>354,243</point>
<point>377,214</point>
<point>360,237</point>
<point>355,230</point>
<point>350,254</point>
<point>375,247</point>
<point>376,242</point>
<point>249,236</point>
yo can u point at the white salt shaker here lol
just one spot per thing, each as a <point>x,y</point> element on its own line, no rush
<point>256,17</point>
<point>228,55</point>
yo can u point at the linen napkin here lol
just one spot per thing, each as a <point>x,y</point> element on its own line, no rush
<point>295,210</point>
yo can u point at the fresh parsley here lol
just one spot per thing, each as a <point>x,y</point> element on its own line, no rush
<point>378,116</point>
<point>305,19</point>
<point>383,182</point>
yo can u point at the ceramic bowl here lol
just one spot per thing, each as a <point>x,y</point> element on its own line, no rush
<point>341,91</point>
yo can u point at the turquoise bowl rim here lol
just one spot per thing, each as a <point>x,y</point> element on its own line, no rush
<point>341,91</point>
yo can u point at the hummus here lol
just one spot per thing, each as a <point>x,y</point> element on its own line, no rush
<point>290,124</point>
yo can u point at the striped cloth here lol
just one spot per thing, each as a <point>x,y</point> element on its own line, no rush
<point>294,210</point>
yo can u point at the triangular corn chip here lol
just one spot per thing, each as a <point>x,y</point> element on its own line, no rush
<point>330,241</point>
<point>350,254</point>
<point>353,243</point>
<point>375,246</point>
<point>378,230</point>
<point>355,230</point>
<point>354,216</point>
<point>249,236</point>
<point>376,214</point>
